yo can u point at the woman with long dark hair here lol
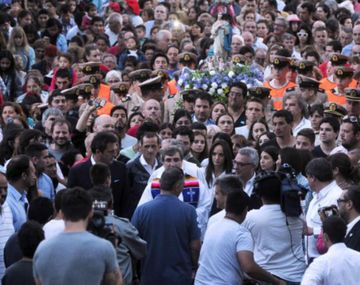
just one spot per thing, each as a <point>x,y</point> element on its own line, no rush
<point>53,32</point>
<point>9,75</point>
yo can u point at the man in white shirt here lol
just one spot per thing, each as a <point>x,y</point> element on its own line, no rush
<point>277,237</point>
<point>227,252</point>
<point>349,210</point>
<point>340,265</point>
<point>6,219</point>
<point>223,186</point>
<point>245,165</point>
<point>326,192</point>
<point>254,111</point>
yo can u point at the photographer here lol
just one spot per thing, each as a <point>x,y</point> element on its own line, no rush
<point>277,236</point>
<point>129,244</point>
<point>75,256</point>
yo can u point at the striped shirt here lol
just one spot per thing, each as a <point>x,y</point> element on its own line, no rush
<point>6,230</point>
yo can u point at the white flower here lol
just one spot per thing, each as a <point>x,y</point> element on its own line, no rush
<point>212,72</point>
<point>204,86</point>
<point>187,86</point>
<point>212,91</point>
<point>220,91</point>
<point>180,82</point>
<point>223,85</point>
<point>231,74</point>
<point>214,85</point>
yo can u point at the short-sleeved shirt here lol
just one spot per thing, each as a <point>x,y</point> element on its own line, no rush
<point>218,257</point>
<point>169,226</point>
<point>74,258</point>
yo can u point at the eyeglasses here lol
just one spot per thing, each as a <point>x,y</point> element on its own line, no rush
<point>242,164</point>
<point>302,35</point>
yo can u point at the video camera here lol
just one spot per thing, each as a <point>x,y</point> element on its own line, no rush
<point>98,225</point>
<point>291,192</point>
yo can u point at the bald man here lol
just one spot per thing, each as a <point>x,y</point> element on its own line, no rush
<point>152,110</point>
<point>104,123</point>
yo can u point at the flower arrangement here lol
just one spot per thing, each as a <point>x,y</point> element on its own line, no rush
<point>218,77</point>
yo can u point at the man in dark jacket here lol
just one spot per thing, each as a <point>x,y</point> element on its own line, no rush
<point>105,148</point>
<point>349,209</point>
<point>140,169</point>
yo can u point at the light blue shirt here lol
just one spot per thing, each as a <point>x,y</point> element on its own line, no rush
<point>17,202</point>
<point>207,123</point>
<point>46,186</point>
<point>347,49</point>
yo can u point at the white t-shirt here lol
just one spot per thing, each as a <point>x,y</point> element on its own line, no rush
<point>275,249</point>
<point>218,263</point>
<point>53,227</point>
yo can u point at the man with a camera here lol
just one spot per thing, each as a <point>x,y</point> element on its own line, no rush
<point>326,192</point>
<point>277,232</point>
<point>76,256</point>
<point>129,246</point>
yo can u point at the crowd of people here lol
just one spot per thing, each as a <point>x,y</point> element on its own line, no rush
<point>112,172</point>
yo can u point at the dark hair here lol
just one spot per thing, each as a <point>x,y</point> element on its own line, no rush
<point>204,96</point>
<point>240,85</point>
<point>204,153</point>
<point>271,150</point>
<point>292,157</point>
<point>342,162</point>
<point>16,167</point>
<point>229,183</point>
<point>228,155</point>
<point>237,202</point>
<point>147,127</point>
<point>101,140</point>
<point>284,114</point>
<point>336,45</point>
<point>26,136</point>
<point>261,121</point>
<point>35,149</point>
<point>99,173</point>
<point>246,49</point>
<point>159,54</point>
<point>335,228</point>
<point>76,204</point>
<point>41,210</point>
<point>179,113</point>
<point>198,126</point>
<point>308,133</point>
<point>308,6</point>
<point>321,169</point>
<point>269,187</point>
<point>133,115</point>
<point>333,122</point>
<point>319,108</point>
<point>102,193</point>
<point>7,145</point>
<point>11,73</point>
<point>29,237</point>
<point>150,135</point>
<point>64,73</point>
<point>353,194</point>
<point>118,107</point>
<point>96,19</point>
<point>58,199</point>
<point>184,131</point>
<point>170,178</point>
